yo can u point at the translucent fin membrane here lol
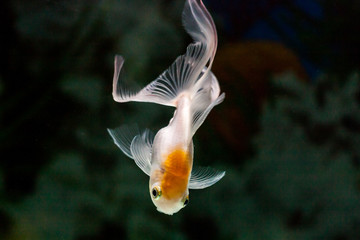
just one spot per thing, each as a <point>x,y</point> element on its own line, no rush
<point>141,151</point>
<point>123,137</point>
<point>134,145</point>
<point>200,116</point>
<point>203,177</point>
<point>185,73</point>
<point>121,92</point>
<point>200,26</point>
<point>179,77</point>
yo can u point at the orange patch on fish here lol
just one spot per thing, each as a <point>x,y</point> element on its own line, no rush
<point>176,174</point>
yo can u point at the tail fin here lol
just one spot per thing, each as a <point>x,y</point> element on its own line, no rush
<point>190,73</point>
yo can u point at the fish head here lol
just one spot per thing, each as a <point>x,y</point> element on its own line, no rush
<point>168,201</point>
<point>169,190</point>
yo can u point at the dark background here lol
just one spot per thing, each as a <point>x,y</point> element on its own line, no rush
<point>287,134</point>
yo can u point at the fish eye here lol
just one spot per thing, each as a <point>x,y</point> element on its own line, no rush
<point>156,192</point>
<point>186,200</point>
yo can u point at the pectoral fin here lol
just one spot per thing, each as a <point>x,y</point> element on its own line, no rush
<point>203,177</point>
<point>123,137</point>
<point>141,150</point>
<point>134,144</point>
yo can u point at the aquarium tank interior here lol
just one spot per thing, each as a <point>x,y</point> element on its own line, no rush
<point>287,133</point>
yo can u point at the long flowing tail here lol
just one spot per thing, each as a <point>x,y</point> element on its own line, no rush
<point>190,74</point>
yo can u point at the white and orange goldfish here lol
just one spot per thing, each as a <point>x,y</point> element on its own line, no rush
<point>190,86</point>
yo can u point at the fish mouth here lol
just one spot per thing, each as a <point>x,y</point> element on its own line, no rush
<point>169,208</point>
<point>168,211</point>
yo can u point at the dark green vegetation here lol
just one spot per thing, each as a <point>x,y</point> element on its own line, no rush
<point>61,176</point>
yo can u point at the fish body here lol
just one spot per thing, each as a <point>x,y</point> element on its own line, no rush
<point>172,160</point>
<point>191,87</point>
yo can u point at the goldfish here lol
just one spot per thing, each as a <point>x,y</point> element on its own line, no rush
<point>189,86</point>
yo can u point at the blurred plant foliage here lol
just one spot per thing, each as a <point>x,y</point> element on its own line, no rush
<point>63,53</point>
<point>307,165</point>
<point>303,182</point>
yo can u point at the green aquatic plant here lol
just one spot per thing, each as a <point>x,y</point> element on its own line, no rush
<point>302,183</point>
<point>306,169</point>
